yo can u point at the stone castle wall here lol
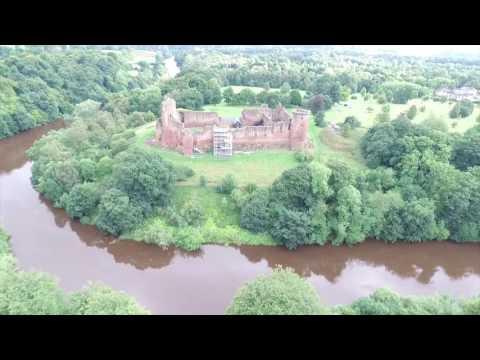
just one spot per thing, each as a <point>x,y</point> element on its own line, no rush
<point>186,131</point>
<point>199,118</point>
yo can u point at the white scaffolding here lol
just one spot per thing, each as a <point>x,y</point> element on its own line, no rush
<point>222,143</point>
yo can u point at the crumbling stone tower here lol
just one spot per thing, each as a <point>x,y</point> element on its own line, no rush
<point>299,129</point>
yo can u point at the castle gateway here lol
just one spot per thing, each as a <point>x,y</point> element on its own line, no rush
<point>191,132</point>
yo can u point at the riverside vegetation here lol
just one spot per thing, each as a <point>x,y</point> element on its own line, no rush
<point>281,293</point>
<point>36,293</point>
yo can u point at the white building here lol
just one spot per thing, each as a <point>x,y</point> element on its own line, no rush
<point>463,93</point>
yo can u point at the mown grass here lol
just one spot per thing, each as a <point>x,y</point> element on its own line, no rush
<point>261,167</point>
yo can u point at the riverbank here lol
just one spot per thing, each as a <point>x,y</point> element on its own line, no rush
<point>37,293</point>
<point>45,239</point>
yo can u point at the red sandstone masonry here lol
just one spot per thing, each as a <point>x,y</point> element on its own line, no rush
<point>278,130</point>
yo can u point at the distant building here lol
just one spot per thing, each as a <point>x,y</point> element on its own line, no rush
<point>463,93</point>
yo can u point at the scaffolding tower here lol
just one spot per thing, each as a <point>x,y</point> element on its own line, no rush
<point>222,143</point>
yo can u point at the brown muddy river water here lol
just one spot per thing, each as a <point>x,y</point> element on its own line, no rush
<point>175,282</point>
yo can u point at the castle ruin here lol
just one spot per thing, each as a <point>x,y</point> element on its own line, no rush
<point>190,132</point>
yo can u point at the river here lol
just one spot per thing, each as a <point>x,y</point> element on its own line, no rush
<point>176,282</point>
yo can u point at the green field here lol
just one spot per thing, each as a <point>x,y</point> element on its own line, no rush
<point>359,109</point>
<point>260,167</point>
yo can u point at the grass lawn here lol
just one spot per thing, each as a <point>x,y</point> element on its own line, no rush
<point>358,108</point>
<point>261,168</point>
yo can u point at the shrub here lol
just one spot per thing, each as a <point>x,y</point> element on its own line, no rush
<point>412,112</point>
<point>203,181</point>
<point>182,173</point>
<point>193,214</point>
<point>320,119</point>
<point>281,293</point>
<point>227,185</point>
<point>251,188</point>
<point>189,239</point>
<point>173,217</point>
<point>303,156</point>
<point>240,197</point>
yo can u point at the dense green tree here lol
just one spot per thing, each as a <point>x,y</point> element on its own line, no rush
<point>104,167</point>
<point>145,177</point>
<point>229,95</point>
<point>28,293</point>
<point>349,225</point>
<point>244,97</point>
<point>412,112</point>
<point>59,178</point>
<point>414,221</point>
<point>290,228</point>
<point>117,213</point>
<point>285,88</point>
<point>294,188</point>
<point>188,99</point>
<point>212,93</point>
<point>281,293</point>
<point>98,299</point>
<point>461,109</point>
<point>400,92</point>
<point>82,200</point>
<point>296,98</point>
<point>87,169</point>
<point>255,214</point>
<point>386,302</point>
<point>319,103</point>
<point>320,119</point>
<point>466,150</point>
